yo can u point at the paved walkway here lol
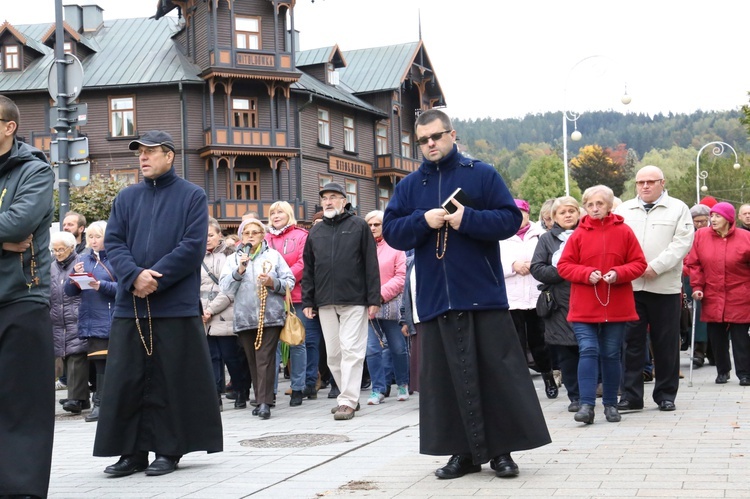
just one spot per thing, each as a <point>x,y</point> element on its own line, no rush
<point>701,450</point>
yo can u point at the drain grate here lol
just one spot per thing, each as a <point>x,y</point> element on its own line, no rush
<point>68,417</point>
<point>294,440</point>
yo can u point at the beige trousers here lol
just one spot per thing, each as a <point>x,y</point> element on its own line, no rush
<point>345,333</point>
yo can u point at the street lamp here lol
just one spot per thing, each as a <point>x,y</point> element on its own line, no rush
<point>717,150</point>
<point>573,116</point>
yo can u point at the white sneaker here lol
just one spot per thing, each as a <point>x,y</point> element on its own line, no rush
<point>375,398</point>
<point>59,385</point>
<point>403,393</point>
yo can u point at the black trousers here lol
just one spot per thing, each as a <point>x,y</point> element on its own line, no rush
<point>530,330</point>
<point>27,392</point>
<point>719,334</point>
<point>659,316</point>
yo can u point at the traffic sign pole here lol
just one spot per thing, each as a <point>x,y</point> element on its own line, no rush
<point>61,126</point>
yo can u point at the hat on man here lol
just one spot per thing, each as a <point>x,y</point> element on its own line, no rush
<point>522,205</point>
<point>726,210</point>
<point>333,187</point>
<point>153,138</point>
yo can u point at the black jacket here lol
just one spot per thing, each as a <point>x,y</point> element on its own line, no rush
<point>557,329</point>
<point>341,263</point>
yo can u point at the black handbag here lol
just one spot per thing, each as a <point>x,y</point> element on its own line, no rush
<point>545,304</point>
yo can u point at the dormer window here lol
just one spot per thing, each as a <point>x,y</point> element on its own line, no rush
<point>11,58</point>
<point>247,32</point>
<point>68,48</point>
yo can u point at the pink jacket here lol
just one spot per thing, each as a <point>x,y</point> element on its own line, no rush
<point>392,265</point>
<point>720,267</point>
<point>290,244</point>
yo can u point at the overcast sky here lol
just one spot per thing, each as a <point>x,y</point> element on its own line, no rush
<point>502,59</point>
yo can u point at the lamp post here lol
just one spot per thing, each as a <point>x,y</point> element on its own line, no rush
<point>717,150</point>
<point>573,116</point>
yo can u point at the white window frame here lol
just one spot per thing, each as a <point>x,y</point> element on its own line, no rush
<point>324,127</point>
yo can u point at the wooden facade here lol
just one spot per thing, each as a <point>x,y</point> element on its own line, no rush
<point>247,128</point>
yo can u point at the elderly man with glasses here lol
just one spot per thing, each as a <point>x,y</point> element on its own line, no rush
<point>341,284</point>
<point>27,359</point>
<point>664,228</point>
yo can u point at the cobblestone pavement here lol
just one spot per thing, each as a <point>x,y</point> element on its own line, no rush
<point>701,450</point>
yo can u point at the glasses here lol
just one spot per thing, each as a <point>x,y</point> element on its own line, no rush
<point>330,198</point>
<point>251,233</point>
<point>434,137</point>
<point>3,119</point>
<point>647,183</point>
<point>57,250</point>
<point>700,221</point>
<point>375,224</point>
<point>148,151</point>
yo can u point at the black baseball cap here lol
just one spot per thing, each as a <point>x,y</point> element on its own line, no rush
<point>153,138</point>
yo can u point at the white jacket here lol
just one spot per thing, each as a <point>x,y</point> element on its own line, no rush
<point>521,289</point>
<point>666,236</point>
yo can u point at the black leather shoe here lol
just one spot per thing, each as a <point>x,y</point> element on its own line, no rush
<point>504,466</point>
<point>127,465</point>
<point>334,393</point>
<point>574,406</point>
<point>76,406</point>
<point>744,380</point>
<point>310,392</point>
<point>625,405</point>
<point>162,465</point>
<point>721,379</point>
<point>264,411</point>
<point>240,402</point>
<point>296,399</point>
<point>667,405</point>
<point>585,414</point>
<point>256,410</point>
<point>457,467</point>
<point>611,413</point>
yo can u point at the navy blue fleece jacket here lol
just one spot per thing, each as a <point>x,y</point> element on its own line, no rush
<point>469,276</point>
<point>159,224</point>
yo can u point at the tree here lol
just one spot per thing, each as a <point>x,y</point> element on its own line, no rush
<point>594,166</point>
<point>543,180</point>
<point>93,201</point>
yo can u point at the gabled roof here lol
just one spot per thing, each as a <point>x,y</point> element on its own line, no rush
<point>379,68</point>
<point>340,93</point>
<point>25,40</point>
<point>322,55</point>
<point>85,41</point>
<point>130,52</point>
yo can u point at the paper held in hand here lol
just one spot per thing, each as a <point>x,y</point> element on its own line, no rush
<point>83,280</point>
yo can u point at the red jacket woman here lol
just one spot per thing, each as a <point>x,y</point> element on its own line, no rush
<point>604,244</point>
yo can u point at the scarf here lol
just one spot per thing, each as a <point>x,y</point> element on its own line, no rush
<point>64,264</point>
<point>562,236</point>
<point>523,230</point>
<point>278,232</point>
<point>378,239</point>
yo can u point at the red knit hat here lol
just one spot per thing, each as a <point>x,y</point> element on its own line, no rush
<point>709,201</point>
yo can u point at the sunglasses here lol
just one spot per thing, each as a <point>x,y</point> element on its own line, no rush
<point>434,137</point>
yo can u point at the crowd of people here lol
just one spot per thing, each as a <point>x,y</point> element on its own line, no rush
<point>150,309</point>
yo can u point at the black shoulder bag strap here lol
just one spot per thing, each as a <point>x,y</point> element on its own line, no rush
<point>210,274</point>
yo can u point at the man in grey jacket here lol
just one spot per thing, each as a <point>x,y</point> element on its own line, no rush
<point>27,360</point>
<point>664,228</point>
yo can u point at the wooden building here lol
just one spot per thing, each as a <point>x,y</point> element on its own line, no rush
<point>254,119</point>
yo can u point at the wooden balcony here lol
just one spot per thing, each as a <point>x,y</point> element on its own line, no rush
<point>251,59</point>
<point>230,211</point>
<point>389,164</point>
<point>252,137</point>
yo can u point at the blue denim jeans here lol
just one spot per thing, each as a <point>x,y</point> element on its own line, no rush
<point>313,337</point>
<point>397,346</point>
<point>599,342</point>
<point>298,365</point>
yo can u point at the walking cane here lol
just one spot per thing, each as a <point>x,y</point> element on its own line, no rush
<point>692,345</point>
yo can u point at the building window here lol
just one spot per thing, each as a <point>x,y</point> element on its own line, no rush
<point>247,32</point>
<point>381,132</point>
<point>122,116</point>
<point>383,197</point>
<point>349,143</point>
<point>323,180</point>
<point>351,192</point>
<point>247,184</point>
<point>11,58</point>
<point>324,127</point>
<point>125,176</point>
<point>68,48</point>
<point>244,113</point>
<point>406,145</point>
<point>332,76</point>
